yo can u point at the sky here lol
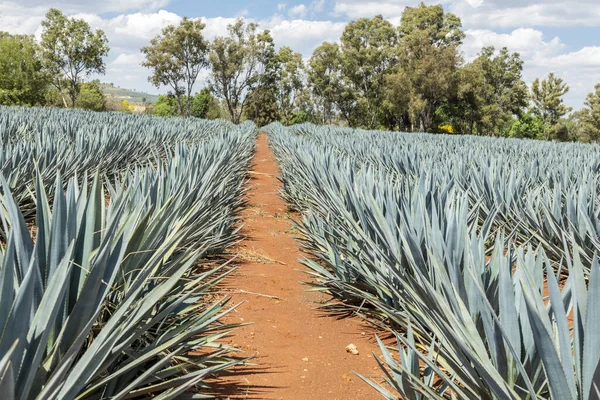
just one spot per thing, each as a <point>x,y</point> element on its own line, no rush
<point>552,36</point>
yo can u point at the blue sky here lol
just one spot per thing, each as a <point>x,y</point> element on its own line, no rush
<point>551,35</point>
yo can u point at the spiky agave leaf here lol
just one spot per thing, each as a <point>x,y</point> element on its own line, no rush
<point>107,301</point>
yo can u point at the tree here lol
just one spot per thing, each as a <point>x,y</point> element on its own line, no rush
<point>205,106</point>
<point>397,98</point>
<point>22,81</point>
<point>165,106</point>
<point>528,126</point>
<point>503,95</point>
<point>176,57</point>
<point>546,96</point>
<point>289,82</point>
<point>239,63</point>
<point>367,57</point>
<point>71,51</point>
<point>590,117</point>
<point>429,59</point>
<point>324,75</point>
<point>441,29</point>
<point>261,106</point>
<point>90,97</point>
<point>467,106</point>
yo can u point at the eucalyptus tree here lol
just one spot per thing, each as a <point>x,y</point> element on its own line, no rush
<point>324,78</point>
<point>70,52</point>
<point>429,58</point>
<point>503,94</point>
<point>290,82</point>
<point>367,56</point>
<point>176,57</point>
<point>240,63</point>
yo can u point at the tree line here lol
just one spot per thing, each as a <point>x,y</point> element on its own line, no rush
<point>55,70</point>
<point>411,77</point>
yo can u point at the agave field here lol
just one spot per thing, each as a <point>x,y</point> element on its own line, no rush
<point>479,254</point>
<point>108,222</point>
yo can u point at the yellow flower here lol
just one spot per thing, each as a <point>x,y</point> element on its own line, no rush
<point>447,128</point>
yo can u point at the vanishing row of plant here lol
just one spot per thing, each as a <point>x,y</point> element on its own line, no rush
<point>539,192</point>
<point>106,294</point>
<point>480,310</point>
<point>45,142</point>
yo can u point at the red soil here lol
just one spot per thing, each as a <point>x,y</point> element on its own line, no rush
<point>300,351</point>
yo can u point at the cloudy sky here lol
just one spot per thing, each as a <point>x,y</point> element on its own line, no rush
<point>551,35</point>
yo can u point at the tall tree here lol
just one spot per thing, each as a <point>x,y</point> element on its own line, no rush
<point>22,81</point>
<point>239,63</point>
<point>71,51</point>
<point>289,82</point>
<point>367,56</point>
<point>176,57</point>
<point>546,96</point>
<point>324,76</point>
<point>590,116</point>
<point>429,59</point>
<point>504,93</point>
<point>467,106</point>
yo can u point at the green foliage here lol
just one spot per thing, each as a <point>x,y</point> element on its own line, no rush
<point>441,29</point>
<point>90,97</point>
<point>22,81</point>
<point>527,126</point>
<point>165,106</point>
<point>289,82</point>
<point>546,96</point>
<point>494,90</point>
<point>240,62</point>
<point>590,117</point>
<point>324,80</point>
<point>205,106</point>
<point>71,51</point>
<point>176,57</point>
<point>367,55</point>
<point>261,107</point>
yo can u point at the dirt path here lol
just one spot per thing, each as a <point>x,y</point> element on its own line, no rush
<point>300,351</point>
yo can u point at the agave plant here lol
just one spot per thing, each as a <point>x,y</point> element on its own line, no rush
<point>425,249</point>
<point>541,201</point>
<point>101,305</point>
<point>107,299</point>
<point>45,142</point>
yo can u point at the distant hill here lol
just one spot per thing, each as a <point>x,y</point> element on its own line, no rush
<point>132,96</point>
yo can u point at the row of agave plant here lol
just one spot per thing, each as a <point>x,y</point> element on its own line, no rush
<point>107,293</point>
<point>46,142</point>
<point>477,313</point>
<point>548,200</point>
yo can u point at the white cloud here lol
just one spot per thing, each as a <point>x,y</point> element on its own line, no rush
<point>128,59</point>
<point>530,43</point>
<point>301,35</point>
<point>358,9</point>
<point>89,6</point>
<point>298,11</point>
<point>281,6</point>
<point>487,13</point>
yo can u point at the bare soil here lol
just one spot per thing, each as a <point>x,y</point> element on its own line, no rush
<point>300,352</point>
